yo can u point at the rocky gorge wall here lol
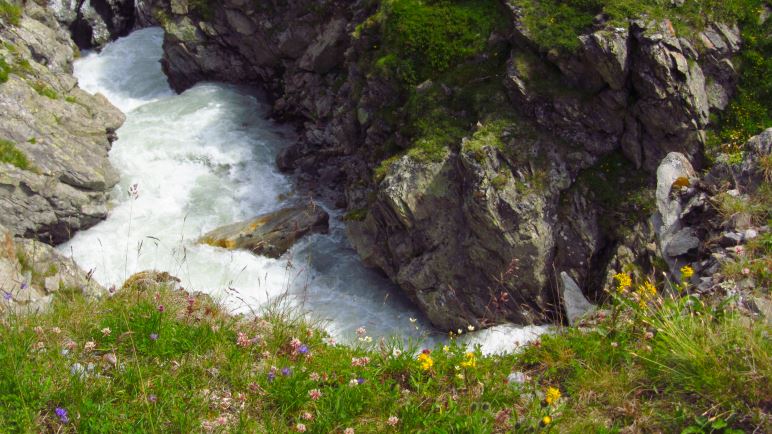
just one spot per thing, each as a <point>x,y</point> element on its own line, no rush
<point>54,174</point>
<point>546,158</point>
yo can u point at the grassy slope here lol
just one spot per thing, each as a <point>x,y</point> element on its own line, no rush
<point>661,367</point>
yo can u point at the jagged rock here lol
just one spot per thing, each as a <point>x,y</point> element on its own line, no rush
<point>730,239</point>
<point>31,272</point>
<point>673,238</point>
<point>64,133</point>
<point>270,234</point>
<point>574,302</point>
<point>94,23</point>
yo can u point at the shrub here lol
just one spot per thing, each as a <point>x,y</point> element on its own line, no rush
<point>10,154</point>
<point>10,13</point>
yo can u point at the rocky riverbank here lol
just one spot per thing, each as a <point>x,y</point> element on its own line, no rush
<point>473,176</point>
<point>54,173</point>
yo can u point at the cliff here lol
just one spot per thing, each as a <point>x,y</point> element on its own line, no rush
<point>481,157</point>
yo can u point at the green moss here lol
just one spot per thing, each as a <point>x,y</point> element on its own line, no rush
<point>10,13</point>
<point>499,181</point>
<point>70,99</point>
<point>356,215</point>
<point>557,23</point>
<point>10,154</point>
<point>428,37</point>
<point>43,90</point>
<point>5,70</point>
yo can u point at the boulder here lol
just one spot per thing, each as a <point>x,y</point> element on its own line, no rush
<point>94,23</point>
<point>574,302</point>
<point>270,234</point>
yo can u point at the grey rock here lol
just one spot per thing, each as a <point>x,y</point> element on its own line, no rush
<point>270,234</point>
<point>575,303</point>
<point>682,242</point>
<point>730,239</point>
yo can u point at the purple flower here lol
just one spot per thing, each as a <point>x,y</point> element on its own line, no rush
<point>161,308</point>
<point>62,413</point>
<point>360,380</point>
<point>271,376</point>
<point>303,349</point>
<point>7,296</point>
<point>152,398</point>
<point>153,336</point>
<point>286,372</point>
<point>23,285</point>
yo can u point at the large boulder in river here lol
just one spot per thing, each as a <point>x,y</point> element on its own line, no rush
<point>270,234</point>
<point>54,172</point>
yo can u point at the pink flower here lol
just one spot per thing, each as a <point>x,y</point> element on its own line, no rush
<point>295,344</point>
<point>360,361</point>
<point>39,330</point>
<point>746,271</point>
<point>739,250</point>
<point>243,340</point>
<point>70,345</point>
<point>89,346</point>
<point>106,331</point>
<point>393,421</point>
<point>314,376</point>
<point>300,427</point>
<point>348,431</point>
<point>315,394</point>
<point>56,330</point>
<point>307,416</point>
<point>40,346</point>
<point>161,308</point>
<point>361,332</point>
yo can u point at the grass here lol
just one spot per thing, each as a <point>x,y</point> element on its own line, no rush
<point>10,154</point>
<point>153,359</point>
<point>10,13</point>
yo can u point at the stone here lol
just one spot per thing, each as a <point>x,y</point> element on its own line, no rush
<point>574,302</point>
<point>270,234</point>
<point>730,239</point>
<point>682,242</point>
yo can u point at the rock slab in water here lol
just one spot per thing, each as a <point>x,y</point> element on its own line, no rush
<point>270,234</point>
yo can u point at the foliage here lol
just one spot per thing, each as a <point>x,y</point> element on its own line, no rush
<point>424,38</point>
<point>10,154</point>
<point>10,13</point>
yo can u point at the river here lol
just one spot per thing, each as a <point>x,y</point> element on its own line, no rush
<point>206,158</point>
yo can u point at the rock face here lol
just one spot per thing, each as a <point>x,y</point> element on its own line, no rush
<point>479,234</point>
<point>688,228</point>
<point>94,23</point>
<point>59,176</point>
<point>31,272</point>
<point>270,234</point>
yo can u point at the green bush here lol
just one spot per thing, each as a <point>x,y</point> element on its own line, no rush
<point>10,154</point>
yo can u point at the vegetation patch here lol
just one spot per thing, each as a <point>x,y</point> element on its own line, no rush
<point>10,13</point>
<point>12,155</point>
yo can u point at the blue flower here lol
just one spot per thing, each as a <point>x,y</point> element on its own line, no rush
<point>303,349</point>
<point>360,380</point>
<point>271,376</point>
<point>153,336</point>
<point>286,372</point>
<point>7,296</point>
<point>62,413</point>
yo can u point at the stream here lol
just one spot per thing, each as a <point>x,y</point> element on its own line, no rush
<point>206,158</point>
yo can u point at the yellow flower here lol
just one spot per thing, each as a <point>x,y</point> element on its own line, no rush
<point>552,395</point>
<point>470,362</point>
<point>446,348</point>
<point>546,420</point>
<point>426,361</point>
<point>687,272</point>
<point>623,282</point>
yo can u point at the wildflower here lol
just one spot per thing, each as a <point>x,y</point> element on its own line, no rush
<point>286,372</point>
<point>687,272</point>
<point>360,361</point>
<point>106,331</point>
<point>470,362</point>
<point>546,420</point>
<point>38,330</point>
<point>303,349</point>
<point>360,380</point>
<point>300,427</point>
<point>70,345</point>
<point>746,271</point>
<point>153,336</point>
<point>243,340</point>
<point>62,414</point>
<point>161,308</point>
<point>470,327</point>
<point>7,296</point>
<point>552,395</point>
<point>445,348</point>
<point>353,382</point>
<point>307,416</point>
<point>396,352</point>
<point>413,320</point>
<point>271,376</point>
<point>393,421</point>
<point>648,335</point>
<point>623,282</point>
<point>460,376</point>
<point>315,394</point>
<point>40,346</point>
<point>314,376</point>
<point>361,332</point>
<point>56,330</point>
<point>459,331</point>
<point>152,399</point>
<point>739,250</point>
<point>426,361</point>
<point>614,344</point>
<point>348,431</point>
<point>89,346</point>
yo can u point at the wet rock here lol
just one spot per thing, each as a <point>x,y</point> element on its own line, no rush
<point>270,234</point>
<point>94,23</point>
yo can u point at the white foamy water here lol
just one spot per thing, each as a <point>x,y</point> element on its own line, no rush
<point>204,159</point>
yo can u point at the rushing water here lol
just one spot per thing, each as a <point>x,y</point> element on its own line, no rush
<point>204,159</point>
